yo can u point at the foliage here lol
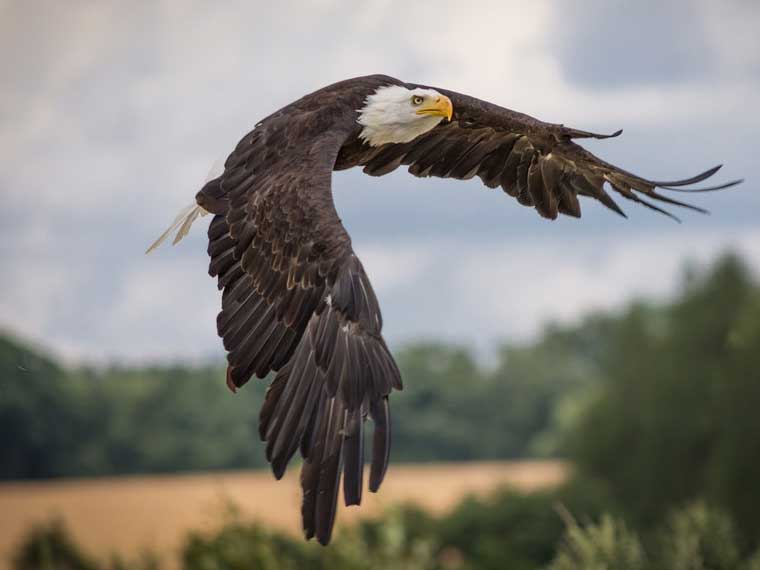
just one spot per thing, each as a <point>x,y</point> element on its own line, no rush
<point>395,541</point>
<point>694,538</point>
<point>675,417</point>
<point>240,546</point>
<point>506,526</point>
<point>700,538</point>
<point>522,528</point>
<point>167,419</point>
<point>50,547</point>
<point>118,420</point>
<point>607,545</point>
<point>404,538</point>
<point>697,537</point>
<point>35,401</point>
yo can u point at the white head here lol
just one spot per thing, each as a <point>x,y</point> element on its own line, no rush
<point>395,114</point>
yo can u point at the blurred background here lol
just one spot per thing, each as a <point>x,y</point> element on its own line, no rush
<point>577,392</point>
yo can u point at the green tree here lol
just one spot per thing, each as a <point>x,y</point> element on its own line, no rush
<point>38,413</point>
<point>675,417</point>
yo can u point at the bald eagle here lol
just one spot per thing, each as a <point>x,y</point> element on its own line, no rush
<point>296,300</point>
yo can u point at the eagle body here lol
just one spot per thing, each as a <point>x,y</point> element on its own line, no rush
<point>297,302</point>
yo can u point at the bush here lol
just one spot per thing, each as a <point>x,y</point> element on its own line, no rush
<point>242,546</point>
<point>608,545</point>
<point>49,546</point>
<point>402,539</point>
<point>522,528</point>
<point>694,538</point>
<point>699,538</point>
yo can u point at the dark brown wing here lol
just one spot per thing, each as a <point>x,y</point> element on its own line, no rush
<point>538,163</point>
<point>297,301</point>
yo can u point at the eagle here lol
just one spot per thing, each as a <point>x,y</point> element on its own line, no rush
<point>296,300</point>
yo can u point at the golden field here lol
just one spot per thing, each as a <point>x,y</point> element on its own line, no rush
<point>127,514</point>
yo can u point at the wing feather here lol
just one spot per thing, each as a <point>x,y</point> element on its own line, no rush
<point>296,301</point>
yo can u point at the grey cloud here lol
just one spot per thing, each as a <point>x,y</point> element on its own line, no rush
<point>118,110</point>
<point>619,44</point>
<point>612,45</point>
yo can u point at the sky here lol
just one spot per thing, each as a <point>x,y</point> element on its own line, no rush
<point>112,114</point>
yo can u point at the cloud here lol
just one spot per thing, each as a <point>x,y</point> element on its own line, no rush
<point>476,293</point>
<point>112,113</point>
<point>612,45</point>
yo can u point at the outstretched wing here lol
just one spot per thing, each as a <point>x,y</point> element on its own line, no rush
<point>297,301</point>
<point>538,163</point>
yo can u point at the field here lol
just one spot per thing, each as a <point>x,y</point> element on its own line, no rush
<point>127,514</point>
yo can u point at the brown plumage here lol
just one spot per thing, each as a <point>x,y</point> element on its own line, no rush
<point>296,299</point>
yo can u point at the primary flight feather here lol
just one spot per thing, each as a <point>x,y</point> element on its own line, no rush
<point>296,300</point>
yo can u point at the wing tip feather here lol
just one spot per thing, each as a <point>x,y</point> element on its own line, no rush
<point>579,134</point>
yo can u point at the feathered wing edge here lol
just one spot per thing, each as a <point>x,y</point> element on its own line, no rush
<point>332,375</point>
<point>181,223</point>
<point>544,168</point>
<point>189,213</point>
<point>340,374</point>
<point>595,173</point>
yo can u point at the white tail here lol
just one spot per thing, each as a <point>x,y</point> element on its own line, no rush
<point>183,221</point>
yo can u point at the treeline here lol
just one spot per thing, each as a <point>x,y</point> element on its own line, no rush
<point>60,421</point>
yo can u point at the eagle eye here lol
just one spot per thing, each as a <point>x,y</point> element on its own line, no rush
<point>417,100</point>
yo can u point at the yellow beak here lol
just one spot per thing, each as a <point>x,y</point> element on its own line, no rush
<point>441,107</point>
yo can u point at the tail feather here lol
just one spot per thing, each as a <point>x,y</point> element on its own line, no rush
<point>181,223</point>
